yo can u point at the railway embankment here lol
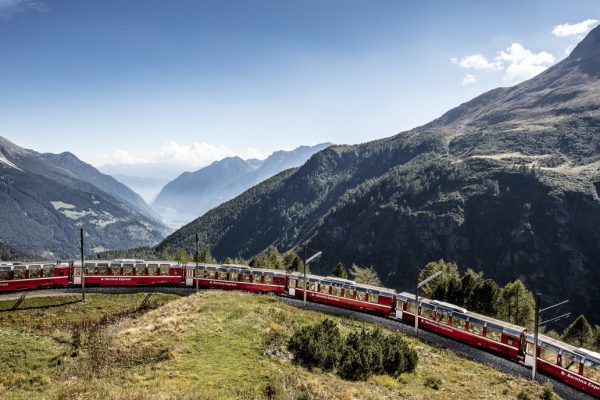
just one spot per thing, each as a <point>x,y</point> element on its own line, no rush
<point>208,345</point>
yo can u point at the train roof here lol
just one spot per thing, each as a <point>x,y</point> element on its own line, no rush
<point>505,326</point>
<point>545,340</point>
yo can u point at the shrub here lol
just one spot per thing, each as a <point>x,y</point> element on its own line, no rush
<point>433,382</point>
<point>361,355</point>
<point>317,346</point>
<point>524,395</point>
<point>547,392</point>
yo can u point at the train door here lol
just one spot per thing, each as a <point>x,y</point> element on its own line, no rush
<point>189,279</point>
<point>292,286</point>
<point>522,347</point>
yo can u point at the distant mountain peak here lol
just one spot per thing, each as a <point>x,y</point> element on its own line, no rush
<point>587,53</point>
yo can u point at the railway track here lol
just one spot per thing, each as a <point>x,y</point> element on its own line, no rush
<point>499,363</point>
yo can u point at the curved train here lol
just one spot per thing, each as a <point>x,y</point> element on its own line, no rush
<point>576,367</point>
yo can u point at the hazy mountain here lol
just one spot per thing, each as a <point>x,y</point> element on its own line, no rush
<point>145,179</point>
<point>506,183</point>
<point>46,198</point>
<point>193,193</point>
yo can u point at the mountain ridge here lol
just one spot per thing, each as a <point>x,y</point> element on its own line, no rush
<point>507,183</point>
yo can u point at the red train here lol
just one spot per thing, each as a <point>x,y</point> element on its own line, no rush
<point>577,367</point>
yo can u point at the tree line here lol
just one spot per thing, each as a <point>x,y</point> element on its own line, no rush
<point>512,303</point>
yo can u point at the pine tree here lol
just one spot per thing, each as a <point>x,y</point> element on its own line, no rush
<point>579,333</point>
<point>516,304</point>
<point>367,276</point>
<point>292,262</point>
<point>340,271</point>
<point>596,344</point>
<point>446,287</point>
<point>165,254</point>
<point>182,256</point>
<point>205,256</point>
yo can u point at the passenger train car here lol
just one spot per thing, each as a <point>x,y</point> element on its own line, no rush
<point>577,367</point>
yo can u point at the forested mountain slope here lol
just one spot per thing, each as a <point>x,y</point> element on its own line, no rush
<point>46,198</point>
<point>506,183</point>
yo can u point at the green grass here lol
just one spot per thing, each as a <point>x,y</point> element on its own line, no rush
<point>212,345</point>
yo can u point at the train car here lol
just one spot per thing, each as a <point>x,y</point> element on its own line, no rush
<point>577,367</point>
<point>463,325</point>
<point>342,293</point>
<point>33,275</point>
<point>235,277</point>
<point>128,273</point>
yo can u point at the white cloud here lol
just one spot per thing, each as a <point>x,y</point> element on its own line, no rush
<point>476,61</point>
<point>468,79</point>
<point>517,62</point>
<point>193,155</point>
<point>580,28</point>
<point>10,7</point>
<point>523,63</point>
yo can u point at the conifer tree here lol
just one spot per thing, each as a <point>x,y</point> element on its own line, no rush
<point>579,333</point>
<point>365,275</point>
<point>340,271</point>
<point>182,256</point>
<point>516,304</point>
<point>205,256</point>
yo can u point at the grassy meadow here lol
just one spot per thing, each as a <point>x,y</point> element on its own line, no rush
<point>210,345</point>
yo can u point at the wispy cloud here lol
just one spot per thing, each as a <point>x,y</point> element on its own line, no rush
<point>468,79</point>
<point>477,62</point>
<point>580,28</point>
<point>9,8</point>
<point>517,62</point>
<point>195,154</point>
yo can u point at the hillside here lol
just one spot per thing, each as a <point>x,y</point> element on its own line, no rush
<point>506,183</point>
<point>212,345</point>
<point>193,193</point>
<point>46,198</point>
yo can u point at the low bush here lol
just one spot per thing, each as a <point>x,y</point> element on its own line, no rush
<point>359,356</point>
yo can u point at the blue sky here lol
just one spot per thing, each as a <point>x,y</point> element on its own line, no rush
<point>150,81</point>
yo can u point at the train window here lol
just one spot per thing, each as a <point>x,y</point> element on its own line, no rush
<point>35,271</point>
<point>410,307</point>
<point>140,269</point>
<point>312,286</point>
<point>336,291</point>
<point>569,361</point>
<point>324,288</point>
<point>591,370</point>
<point>4,275</point>
<point>493,334</point>
<point>269,279</point>
<point>374,297</point>
<point>426,312</point>
<point>102,269</point>
<point>89,268</point>
<point>164,269</point>
<point>48,270</point>
<point>127,270</point>
<point>442,316</point>
<point>223,275</point>
<point>246,277</point>
<point>115,269</point>
<point>360,295</point>
<point>233,275</point>
<point>348,292</point>
<point>292,283</point>
<point>549,354</point>
<point>20,273</point>
<point>300,283</point>
<point>475,328</point>
<point>153,270</point>
<point>458,321</point>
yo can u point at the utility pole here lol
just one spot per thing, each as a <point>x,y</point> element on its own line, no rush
<point>417,286</point>
<point>417,303</point>
<point>536,330</point>
<point>538,313</point>
<point>304,259</point>
<point>306,262</point>
<point>82,266</point>
<point>197,257</point>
